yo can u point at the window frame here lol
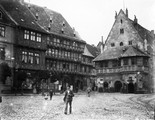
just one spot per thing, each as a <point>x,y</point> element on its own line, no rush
<point>39,37</point>
<point>2,31</point>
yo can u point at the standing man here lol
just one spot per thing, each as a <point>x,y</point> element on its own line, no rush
<point>88,91</point>
<point>51,94</point>
<point>68,99</point>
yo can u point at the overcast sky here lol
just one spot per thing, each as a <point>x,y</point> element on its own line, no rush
<point>94,18</point>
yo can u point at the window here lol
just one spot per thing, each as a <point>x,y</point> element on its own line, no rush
<point>121,21</point>
<point>121,43</point>
<point>125,61</point>
<point>105,64</point>
<point>37,58</point>
<point>130,42</point>
<point>140,61</point>
<point>112,44</point>
<point>2,31</point>
<point>48,40</point>
<point>121,31</point>
<point>30,58</point>
<point>133,61</point>
<point>26,34</point>
<point>66,53</point>
<point>0,15</point>
<point>38,37</point>
<point>24,57</point>
<point>145,61</point>
<point>2,53</point>
<point>114,63</point>
<point>33,36</point>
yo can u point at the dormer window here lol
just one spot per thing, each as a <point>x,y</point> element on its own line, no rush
<point>121,31</point>
<point>121,43</point>
<point>0,15</point>
<point>49,27</point>
<point>51,18</point>
<point>62,30</point>
<point>63,24</point>
<point>112,44</point>
<point>37,15</point>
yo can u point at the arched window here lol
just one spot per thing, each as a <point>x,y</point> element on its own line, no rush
<point>121,21</point>
<point>121,43</point>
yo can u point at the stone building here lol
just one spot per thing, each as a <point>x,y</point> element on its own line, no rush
<point>36,39</point>
<point>126,62</point>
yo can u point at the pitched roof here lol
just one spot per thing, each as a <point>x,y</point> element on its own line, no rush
<point>133,51</point>
<point>20,14</point>
<point>118,52</point>
<point>53,22</point>
<point>143,32</point>
<point>92,49</point>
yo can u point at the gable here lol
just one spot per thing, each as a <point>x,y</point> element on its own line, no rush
<point>87,53</point>
<point>5,18</point>
<point>123,31</point>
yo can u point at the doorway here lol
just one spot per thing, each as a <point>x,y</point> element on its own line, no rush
<point>131,87</point>
<point>118,86</point>
<point>105,86</point>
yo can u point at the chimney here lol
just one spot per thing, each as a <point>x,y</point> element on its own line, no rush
<point>115,14</point>
<point>135,20</point>
<point>152,33</point>
<point>101,47</point>
<point>126,12</point>
<point>74,32</point>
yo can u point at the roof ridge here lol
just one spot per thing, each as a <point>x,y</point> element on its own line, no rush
<point>9,15</point>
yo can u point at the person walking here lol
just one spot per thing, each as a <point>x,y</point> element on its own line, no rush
<point>68,99</point>
<point>51,94</point>
<point>88,91</point>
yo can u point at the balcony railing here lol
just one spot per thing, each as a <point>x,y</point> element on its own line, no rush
<point>124,69</point>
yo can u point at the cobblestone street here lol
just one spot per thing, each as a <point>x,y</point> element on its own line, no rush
<point>99,106</point>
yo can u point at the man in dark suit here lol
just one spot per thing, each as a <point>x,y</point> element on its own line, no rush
<point>68,99</point>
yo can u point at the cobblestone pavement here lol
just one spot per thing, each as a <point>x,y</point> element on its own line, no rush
<point>99,106</point>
